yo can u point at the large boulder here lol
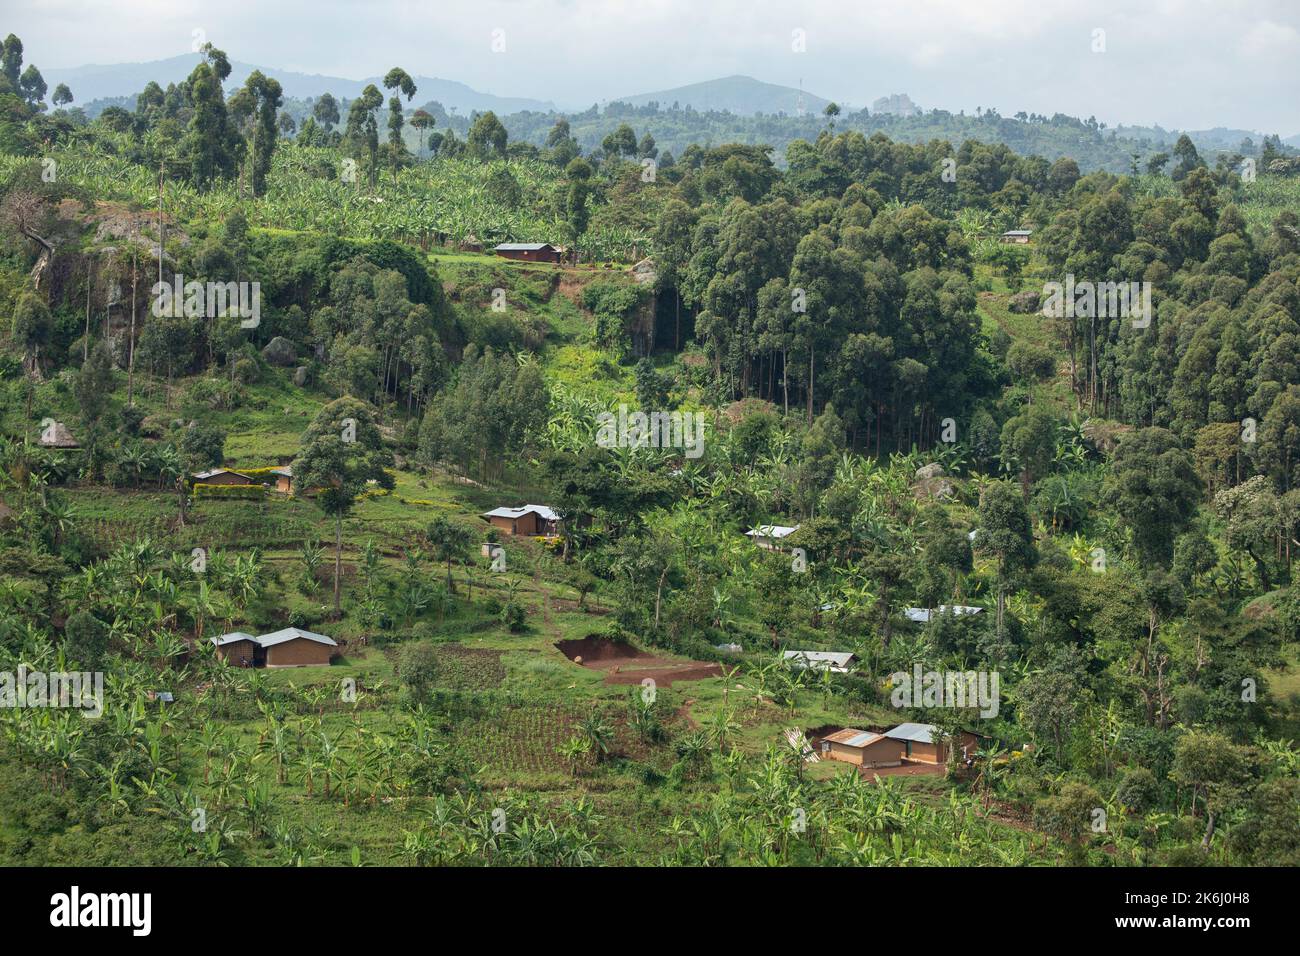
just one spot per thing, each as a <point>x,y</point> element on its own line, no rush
<point>300,376</point>
<point>930,482</point>
<point>1024,303</point>
<point>281,352</point>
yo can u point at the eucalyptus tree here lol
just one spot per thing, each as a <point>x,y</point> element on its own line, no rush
<point>400,82</point>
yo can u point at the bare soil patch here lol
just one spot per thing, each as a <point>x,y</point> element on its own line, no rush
<point>625,664</point>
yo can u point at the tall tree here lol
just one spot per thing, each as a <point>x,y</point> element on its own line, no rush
<point>342,450</point>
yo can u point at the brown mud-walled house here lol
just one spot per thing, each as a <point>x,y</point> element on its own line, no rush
<point>291,647</point>
<point>531,520</point>
<point>529,251</point>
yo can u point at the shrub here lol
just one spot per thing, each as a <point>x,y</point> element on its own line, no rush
<point>240,492</point>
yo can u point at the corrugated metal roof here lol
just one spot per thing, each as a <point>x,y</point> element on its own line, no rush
<point>232,637</point>
<point>542,511</point>
<point>854,738</point>
<point>772,531</point>
<point>524,246</point>
<point>293,634</point>
<point>923,614</point>
<point>917,733</point>
<point>211,472</point>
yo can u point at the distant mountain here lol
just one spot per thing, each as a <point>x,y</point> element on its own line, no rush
<point>127,79</point>
<point>742,95</point>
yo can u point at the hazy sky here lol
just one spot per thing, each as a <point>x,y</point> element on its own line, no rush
<point>1181,63</point>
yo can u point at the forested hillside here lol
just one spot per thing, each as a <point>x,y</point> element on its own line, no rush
<point>1092,505</point>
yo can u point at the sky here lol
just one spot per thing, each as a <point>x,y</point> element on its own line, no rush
<point>1187,64</point>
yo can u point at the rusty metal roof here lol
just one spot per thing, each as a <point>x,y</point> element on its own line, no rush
<point>854,738</point>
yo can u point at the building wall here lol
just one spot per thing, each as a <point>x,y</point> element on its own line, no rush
<point>299,652</point>
<point>233,651</point>
<point>229,478</point>
<point>883,753</point>
<point>527,524</point>
<point>844,752</point>
<point>529,255</point>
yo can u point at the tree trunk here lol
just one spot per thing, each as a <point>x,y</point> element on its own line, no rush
<point>338,565</point>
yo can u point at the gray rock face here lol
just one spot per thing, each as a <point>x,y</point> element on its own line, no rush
<point>280,352</point>
<point>933,470</point>
<point>300,376</point>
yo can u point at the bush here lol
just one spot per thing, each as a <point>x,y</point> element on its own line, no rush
<point>417,666</point>
<point>512,616</point>
<point>240,492</point>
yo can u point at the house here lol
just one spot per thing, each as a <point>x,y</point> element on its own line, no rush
<point>527,520</point>
<point>528,251</point>
<point>919,745</point>
<point>221,476</point>
<point>837,662</point>
<point>294,647</point>
<point>283,479</point>
<point>1017,236</point>
<point>291,647</point>
<point>923,615</point>
<point>767,536</point>
<point>862,748</point>
<point>58,436</point>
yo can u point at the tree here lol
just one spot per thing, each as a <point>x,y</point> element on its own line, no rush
<point>1214,768</point>
<point>423,121</point>
<point>342,450</point>
<point>1187,156</point>
<point>363,130</point>
<point>400,82</point>
<point>62,95</point>
<point>210,145</point>
<point>85,639</point>
<point>93,389</point>
<point>326,111</point>
<point>450,542</point>
<point>1154,488</point>
<point>1068,815</point>
<point>1029,440</point>
<point>266,98</point>
<point>487,137</point>
<point>621,142</point>
<point>11,60</point>
<point>1048,702</point>
<point>578,173</point>
<point>203,447</point>
<point>1006,533</point>
<point>32,328</point>
<point>33,86</point>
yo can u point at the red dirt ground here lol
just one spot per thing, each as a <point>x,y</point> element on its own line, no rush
<point>625,664</point>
